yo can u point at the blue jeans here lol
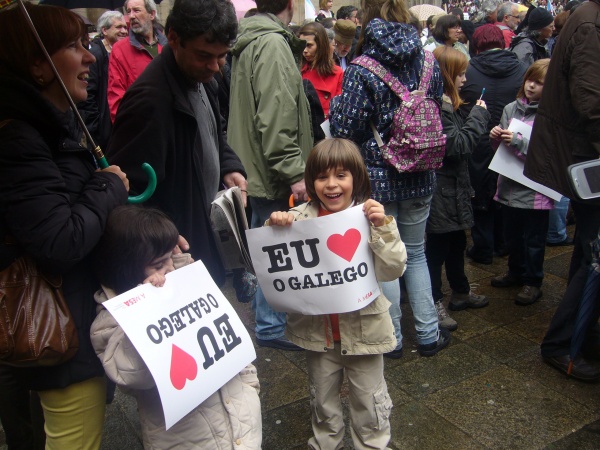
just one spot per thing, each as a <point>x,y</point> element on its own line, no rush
<point>411,216</point>
<point>269,324</point>
<point>557,226</point>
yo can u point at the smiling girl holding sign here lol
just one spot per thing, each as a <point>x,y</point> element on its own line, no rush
<point>137,247</point>
<point>337,179</point>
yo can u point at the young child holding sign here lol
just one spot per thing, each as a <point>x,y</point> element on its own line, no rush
<point>336,179</point>
<point>138,247</point>
<point>525,212</point>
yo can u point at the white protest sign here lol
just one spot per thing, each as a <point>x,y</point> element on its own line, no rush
<point>506,163</point>
<point>317,266</point>
<point>188,335</point>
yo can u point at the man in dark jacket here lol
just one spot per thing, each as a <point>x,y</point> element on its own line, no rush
<point>501,74</point>
<point>94,110</point>
<point>170,119</point>
<point>567,131</point>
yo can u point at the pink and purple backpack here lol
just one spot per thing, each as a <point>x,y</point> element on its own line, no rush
<point>417,142</point>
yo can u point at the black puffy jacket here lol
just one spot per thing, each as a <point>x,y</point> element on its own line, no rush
<point>156,124</point>
<point>501,74</point>
<point>451,208</point>
<point>55,204</point>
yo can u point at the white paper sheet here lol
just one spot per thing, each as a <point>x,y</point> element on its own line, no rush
<point>506,163</point>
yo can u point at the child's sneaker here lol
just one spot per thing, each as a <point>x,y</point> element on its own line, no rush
<point>444,319</point>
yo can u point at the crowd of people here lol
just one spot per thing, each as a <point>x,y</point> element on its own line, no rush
<point>211,103</point>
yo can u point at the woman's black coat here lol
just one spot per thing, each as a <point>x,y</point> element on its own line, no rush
<point>55,204</point>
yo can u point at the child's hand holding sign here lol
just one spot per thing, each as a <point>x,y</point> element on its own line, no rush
<point>374,212</point>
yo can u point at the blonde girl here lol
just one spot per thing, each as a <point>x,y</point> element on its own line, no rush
<point>325,12</point>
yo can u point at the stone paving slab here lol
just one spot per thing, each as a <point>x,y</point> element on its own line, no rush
<point>505,409</point>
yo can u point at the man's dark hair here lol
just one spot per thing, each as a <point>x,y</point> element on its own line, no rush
<point>458,13</point>
<point>345,12</point>
<point>327,23</point>
<point>271,6</point>
<point>214,19</point>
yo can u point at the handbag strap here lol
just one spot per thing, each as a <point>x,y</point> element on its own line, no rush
<point>427,73</point>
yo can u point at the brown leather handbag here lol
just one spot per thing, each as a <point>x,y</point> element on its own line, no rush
<point>36,326</point>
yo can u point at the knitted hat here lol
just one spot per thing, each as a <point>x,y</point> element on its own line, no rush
<point>345,31</point>
<point>539,18</point>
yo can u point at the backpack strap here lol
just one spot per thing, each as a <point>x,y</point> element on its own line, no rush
<point>380,72</point>
<point>427,72</point>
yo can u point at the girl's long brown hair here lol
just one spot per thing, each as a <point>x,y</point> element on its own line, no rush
<point>452,63</point>
<point>323,62</point>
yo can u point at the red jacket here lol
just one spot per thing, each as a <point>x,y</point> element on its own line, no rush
<point>326,87</point>
<point>507,33</point>
<point>127,61</point>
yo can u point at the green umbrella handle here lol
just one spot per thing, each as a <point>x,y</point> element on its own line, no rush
<point>101,159</point>
<point>103,163</point>
<point>149,189</point>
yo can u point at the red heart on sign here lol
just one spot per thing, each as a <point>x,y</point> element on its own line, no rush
<point>183,368</point>
<point>344,246</point>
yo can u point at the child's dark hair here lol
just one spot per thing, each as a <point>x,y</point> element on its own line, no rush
<point>334,153</point>
<point>133,238</point>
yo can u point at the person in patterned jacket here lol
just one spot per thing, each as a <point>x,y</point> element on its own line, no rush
<point>388,38</point>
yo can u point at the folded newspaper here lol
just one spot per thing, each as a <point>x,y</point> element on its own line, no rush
<point>228,218</point>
